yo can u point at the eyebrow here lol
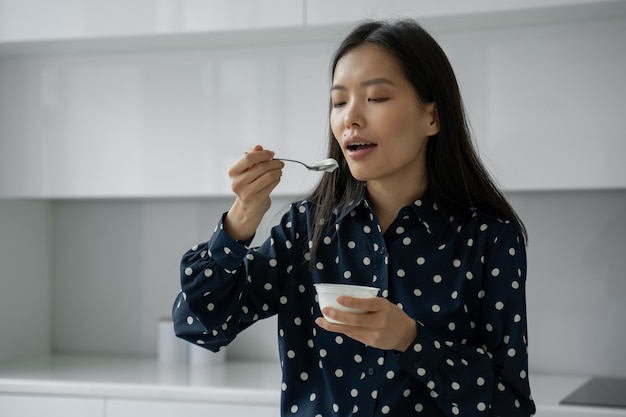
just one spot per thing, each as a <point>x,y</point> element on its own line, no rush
<point>366,83</point>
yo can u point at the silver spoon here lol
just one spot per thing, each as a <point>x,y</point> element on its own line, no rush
<point>326,165</point>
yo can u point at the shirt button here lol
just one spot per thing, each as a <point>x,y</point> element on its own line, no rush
<point>370,371</point>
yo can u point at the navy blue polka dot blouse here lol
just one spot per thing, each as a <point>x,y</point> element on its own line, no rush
<point>461,278</point>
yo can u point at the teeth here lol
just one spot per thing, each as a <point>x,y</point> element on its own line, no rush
<point>355,145</point>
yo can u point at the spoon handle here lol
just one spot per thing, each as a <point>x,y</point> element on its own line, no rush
<point>297,162</point>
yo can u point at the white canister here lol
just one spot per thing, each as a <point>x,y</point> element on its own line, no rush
<point>171,349</point>
<point>202,357</point>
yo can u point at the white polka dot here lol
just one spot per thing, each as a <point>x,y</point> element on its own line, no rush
<point>294,409</point>
<point>210,306</point>
<point>436,308</point>
<point>495,272</point>
<point>351,245</point>
<point>339,373</point>
<point>354,393</point>
<point>367,229</point>
<point>406,241</point>
<point>511,352</point>
<point>517,318</point>
<point>437,279</point>
<point>358,358</point>
<point>385,409</point>
<point>291,354</point>
<point>455,386</point>
<point>480,381</point>
<point>512,251</point>
<point>268,286</point>
<point>390,375</point>
<point>189,320</point>
<point>421,260</point>
<point>339,340</point>
<point>188,271</point>
<point>401,273</point>
<point>499,305</point>
<point>481,406</point>
<point>399,230</point>
<point>366,261</point>
<point>456,263</point>
<point>304,376</point>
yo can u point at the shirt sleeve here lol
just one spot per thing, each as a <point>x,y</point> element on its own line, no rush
<point>220,295</point>
<point>488,377</point>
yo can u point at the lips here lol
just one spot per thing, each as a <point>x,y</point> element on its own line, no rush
<point>357,148</point>
<point>359,145</point>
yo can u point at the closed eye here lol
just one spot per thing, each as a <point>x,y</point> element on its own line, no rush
<point>377,100</point>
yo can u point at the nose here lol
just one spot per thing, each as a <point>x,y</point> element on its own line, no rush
<point>353,117</point>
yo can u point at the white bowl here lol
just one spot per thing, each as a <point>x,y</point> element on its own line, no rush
<point>327,296</point>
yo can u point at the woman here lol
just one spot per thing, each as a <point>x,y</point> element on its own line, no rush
<point>411,211</point>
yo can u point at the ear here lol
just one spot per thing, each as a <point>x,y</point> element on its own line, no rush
<point>432,118</point>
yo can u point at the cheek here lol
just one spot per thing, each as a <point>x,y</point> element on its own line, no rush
<point>336,126</point>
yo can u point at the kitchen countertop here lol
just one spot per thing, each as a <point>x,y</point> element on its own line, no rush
<point>110,377</point>
<point>254,383</point>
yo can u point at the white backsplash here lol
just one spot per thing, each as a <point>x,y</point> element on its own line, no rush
<point>115,273</point>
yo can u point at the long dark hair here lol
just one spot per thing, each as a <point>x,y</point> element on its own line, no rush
<point>457,179</point>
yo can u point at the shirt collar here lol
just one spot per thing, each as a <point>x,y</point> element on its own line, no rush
<point>424,208</point>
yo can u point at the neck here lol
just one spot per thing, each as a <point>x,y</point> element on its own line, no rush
<point>387,200</point>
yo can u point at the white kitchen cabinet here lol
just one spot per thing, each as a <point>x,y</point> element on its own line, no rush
<point>457,13</point>
<point>27,20</point>
<point>160,108</point>
<point>50,406</point>
<point>139,408</point>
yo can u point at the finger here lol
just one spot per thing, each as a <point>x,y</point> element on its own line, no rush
<point>365,304</point>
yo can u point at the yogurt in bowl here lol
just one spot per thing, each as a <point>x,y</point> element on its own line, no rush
<point>327,296</point>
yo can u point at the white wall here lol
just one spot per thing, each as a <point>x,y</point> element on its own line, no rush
<point>25,278</point>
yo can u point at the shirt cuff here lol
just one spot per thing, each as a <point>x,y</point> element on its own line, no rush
<point>424,355</point>
<point>226,251</point>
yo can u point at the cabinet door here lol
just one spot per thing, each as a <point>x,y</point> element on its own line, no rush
<point>96,18</point>
<point>50,406</point>
<point>136,408</point>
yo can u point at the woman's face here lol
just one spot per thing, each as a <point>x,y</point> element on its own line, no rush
<point>379,122</point>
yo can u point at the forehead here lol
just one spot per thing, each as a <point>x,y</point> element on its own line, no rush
<point>367,61</point>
